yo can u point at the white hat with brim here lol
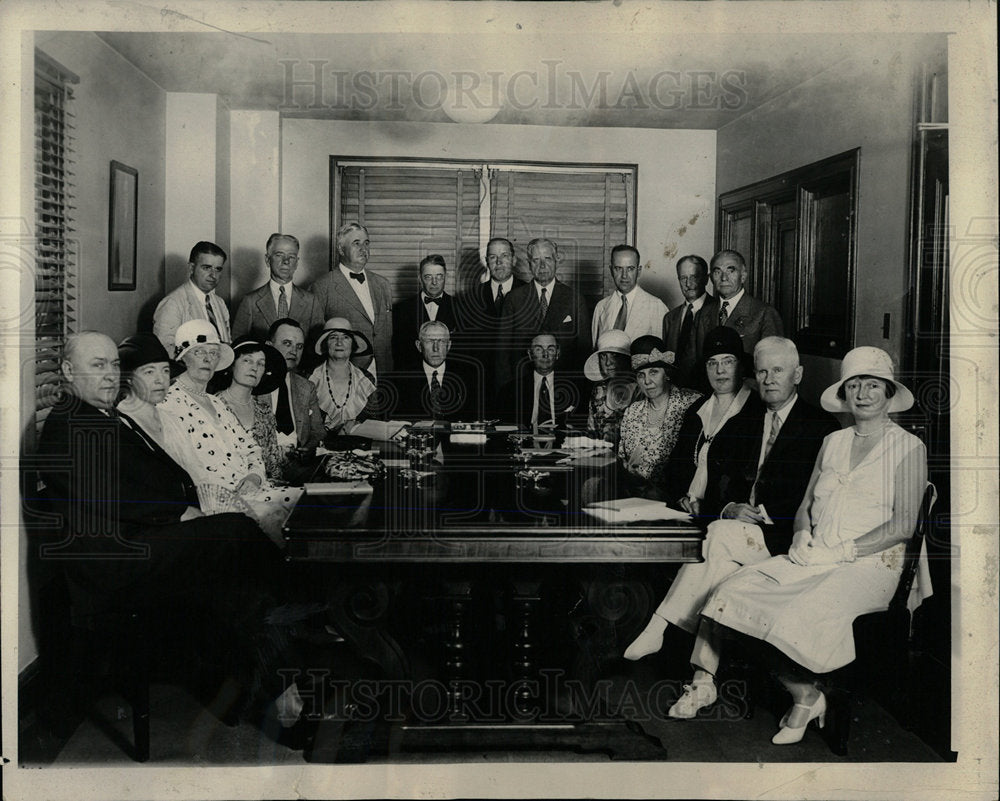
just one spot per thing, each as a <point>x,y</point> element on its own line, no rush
<point>201,332</point>
<point>362,347</point>
<point>866,361</point>
<point>613,341</point>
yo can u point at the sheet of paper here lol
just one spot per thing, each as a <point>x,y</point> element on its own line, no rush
<point>378,429</point>
<point>633,510</point>
<point>338,488</point>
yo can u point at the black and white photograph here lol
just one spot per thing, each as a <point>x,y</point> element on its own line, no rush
<point>499,399</point>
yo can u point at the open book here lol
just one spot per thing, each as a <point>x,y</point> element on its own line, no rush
<point>633,510</point>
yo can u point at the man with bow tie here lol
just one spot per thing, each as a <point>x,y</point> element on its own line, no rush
<point>431,303</point>
<point>359,295</point>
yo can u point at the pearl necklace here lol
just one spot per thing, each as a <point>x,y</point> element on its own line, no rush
<point>870,433</point>
<point>186,386</point>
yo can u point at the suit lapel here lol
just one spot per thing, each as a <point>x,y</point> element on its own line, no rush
<point>343,288</point>
<point>265,304</point>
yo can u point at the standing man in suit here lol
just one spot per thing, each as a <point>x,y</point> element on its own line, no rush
<point>630,308</point>
<point>684,328</point>
<point>195,299</point>
<point>758,470</point>
<point>539,398</point>
<point>547,305</point>
<point>294,403</point>
<point>278,298</point>
<point>364,298</point>
<point>481,306</point>
<point>753,319</point>
<point>437,389</point>
<point>431,303</point>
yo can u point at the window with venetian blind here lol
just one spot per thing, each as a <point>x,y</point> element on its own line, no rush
<point>412,209</point>
<point>55,255</point>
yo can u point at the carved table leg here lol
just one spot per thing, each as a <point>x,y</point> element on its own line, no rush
<point>524,665</point>
<point>458,597</point>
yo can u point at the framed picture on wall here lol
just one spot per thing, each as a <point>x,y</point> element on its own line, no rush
<point>122,226</point>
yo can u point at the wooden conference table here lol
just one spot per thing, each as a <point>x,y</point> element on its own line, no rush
<point>484,591</point>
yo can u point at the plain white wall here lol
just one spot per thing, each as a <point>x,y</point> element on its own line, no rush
<point>675,207</point>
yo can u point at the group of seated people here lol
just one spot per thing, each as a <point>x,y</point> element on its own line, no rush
<point>701,408</point>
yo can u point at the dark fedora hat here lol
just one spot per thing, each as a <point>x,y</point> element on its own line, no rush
<point>724,340</point>
<point>140,349</point>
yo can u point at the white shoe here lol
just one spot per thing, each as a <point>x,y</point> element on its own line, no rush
<point>697,695</point>
<point>793,734</point>
<point>649,641</point>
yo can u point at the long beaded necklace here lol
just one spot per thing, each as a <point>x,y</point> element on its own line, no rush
<point>329,387</point>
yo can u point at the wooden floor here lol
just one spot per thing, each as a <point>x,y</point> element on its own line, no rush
<point>185,733</point>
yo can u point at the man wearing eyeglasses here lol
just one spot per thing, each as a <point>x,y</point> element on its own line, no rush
<point>630,308</point>
<point>685,327</point>
<point>278,298</point>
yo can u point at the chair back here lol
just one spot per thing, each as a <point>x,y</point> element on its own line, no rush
<point>912,554</point>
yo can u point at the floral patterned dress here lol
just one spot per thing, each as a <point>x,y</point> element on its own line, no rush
<point>643,450</point>
<point>265,434</point>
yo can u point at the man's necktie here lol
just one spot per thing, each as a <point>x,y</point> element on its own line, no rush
<point>359,277</point>
<point>724,312</point>
<point>211,315</point>
<point>282,303</point>
<point>544,303</point>
<point>687,326</point>
<point>435,392</point>
<point>544,401</point>
<point>435,301</point>
<point>771,437</point>
<point>498,303</point>
<point>283,413</point>
<point>622,317</point>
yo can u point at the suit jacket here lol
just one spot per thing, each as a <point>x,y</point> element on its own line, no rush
<point>405,395</point>
<point>690,371</point>
<point>645,315</point>
<point>515,400</point>
<point>335,297</point>
<point>753,320</point>
<point>183,304</point>
<point>407,317</point>
<point>305,409</point>
<point>111,486</point>
<point>781,484</point>
<point>520,320</point>
<point>257,312</point>
<point>478,314</point>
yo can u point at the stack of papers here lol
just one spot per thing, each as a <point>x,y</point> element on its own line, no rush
<point>378,429</point>
<point>586,442</point>
<point>338,488</point>
<point>633,510</point>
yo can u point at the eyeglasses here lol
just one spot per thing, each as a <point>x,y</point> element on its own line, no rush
<point>211,352</point>
<point>284,258</point>
<point>730,361</point>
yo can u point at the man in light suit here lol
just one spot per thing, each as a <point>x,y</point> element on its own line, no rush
<point>545,305</point>
<point>430,303</point>
<point>195,299</point>
<point>300,421</point>
<point>753,319</point>
<point>362,297</point>
<point>631,308</point>
<point>685,327</point>
<point>278,297</point>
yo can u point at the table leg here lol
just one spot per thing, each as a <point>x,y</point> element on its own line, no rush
<point>524,666</point>
<point>458,597</point>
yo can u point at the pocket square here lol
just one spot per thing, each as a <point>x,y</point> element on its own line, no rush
<point>568,318</point>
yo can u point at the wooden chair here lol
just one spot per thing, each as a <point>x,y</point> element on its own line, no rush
<point>882,641</point>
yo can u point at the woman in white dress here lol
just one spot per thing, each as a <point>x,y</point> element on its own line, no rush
<point>342,388</point>
<point>207,440</point>
<point>859,510</point>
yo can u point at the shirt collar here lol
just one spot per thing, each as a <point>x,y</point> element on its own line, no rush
<point>698,302</point>
<point>347,271</point>
<point>428,370</point>
<point>732,301</point>
<point>538,377</point>
<point>198,292</point>
<point>784,411</point>
<point>539,287</point>
<point>630,294</point>
<point>505,284</point>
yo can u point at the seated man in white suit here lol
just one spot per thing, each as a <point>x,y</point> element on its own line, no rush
<point>630,308</point>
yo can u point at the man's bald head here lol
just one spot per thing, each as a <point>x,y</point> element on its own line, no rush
<point>91,368</point>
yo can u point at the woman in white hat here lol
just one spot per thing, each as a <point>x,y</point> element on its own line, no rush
<point>210,443</point>
<point>859,510</point>
<point>609,367</point>
<point>342,388</point>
